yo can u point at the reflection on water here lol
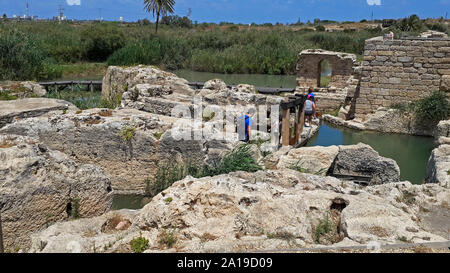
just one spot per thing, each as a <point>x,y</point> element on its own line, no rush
<point>410,152</point>
<point>259,80</point>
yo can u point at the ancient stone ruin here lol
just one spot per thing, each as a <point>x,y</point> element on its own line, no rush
<point>402,71</point>
<point>392,71</point>
<point>309,68</point>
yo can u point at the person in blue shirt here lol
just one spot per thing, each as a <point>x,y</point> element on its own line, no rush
<point>247,125</point>
<point>310,93</point>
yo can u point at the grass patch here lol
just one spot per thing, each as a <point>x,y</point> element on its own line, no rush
<point>79,97</point>
<point>76,208</point>
<point>298,167</point>
<point>158,135</point>
<point>84,70</point>
<point>403,239</point>
<point>167,238</point>
<point>324,228</point>
<point>5,95</point>
<point>240,159</point>
<point>335,112</point>
<point>127,133</point>
<point>139,244</point>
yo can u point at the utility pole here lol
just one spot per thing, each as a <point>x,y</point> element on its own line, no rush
<point>60,13</point>
<point>28,11</point>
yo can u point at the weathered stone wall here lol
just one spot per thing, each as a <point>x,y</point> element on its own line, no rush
<point>308,67</point>
<point>402,71</point>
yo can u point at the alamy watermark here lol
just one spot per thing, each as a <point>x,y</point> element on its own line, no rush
<point>213,122</point>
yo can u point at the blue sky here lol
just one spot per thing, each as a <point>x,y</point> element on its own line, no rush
<point>238,11</point>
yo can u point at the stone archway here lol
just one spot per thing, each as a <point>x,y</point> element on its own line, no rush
<point>325,72</point>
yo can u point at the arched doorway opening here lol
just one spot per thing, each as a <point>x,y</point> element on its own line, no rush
<point>325,72</point>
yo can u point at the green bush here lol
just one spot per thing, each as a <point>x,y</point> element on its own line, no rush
<point>100,42</point>
<point>204,47</point>
<point>22,57</point>
<point>240,159</point>
<point>139,244</point>
<point>175,20</point>
<point>324,227</point>
<point>5,95</point>
<point>433,108</point>
<point>320,28</point>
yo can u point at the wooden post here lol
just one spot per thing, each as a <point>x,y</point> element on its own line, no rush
<point>285,127</point>
<point>71,86</point>
<point>91,86</point>
<point>297,125</point>
<point>301,123</point>
<point>2,249</point>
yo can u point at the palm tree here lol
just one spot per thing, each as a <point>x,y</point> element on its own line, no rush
<point>159,7</point>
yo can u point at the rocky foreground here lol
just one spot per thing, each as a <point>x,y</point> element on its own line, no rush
<point>267,210</point>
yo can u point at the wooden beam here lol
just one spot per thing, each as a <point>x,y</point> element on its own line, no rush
<point>298,123</point>
<point>301,122</point>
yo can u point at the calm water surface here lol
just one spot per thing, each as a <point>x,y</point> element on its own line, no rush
<point>260,80</point>
<point>410,152</point>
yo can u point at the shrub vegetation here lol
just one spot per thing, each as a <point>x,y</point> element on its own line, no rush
<point>431,109</point>
<point>240,159</point>
<point>40,47</point>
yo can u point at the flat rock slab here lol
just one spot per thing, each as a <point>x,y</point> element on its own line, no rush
<point>31,107</point>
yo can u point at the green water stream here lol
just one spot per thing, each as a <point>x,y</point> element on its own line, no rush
<point>410,152</point>
<point>259,80</point>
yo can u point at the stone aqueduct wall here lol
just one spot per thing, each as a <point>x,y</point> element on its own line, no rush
<point>308,67</point>
<point>402,71</point>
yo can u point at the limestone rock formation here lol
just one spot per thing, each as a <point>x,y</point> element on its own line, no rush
<point>443,129</point>
<point>22,90</point>
<point>396,121</point>
<point>99,136</point>
<point>314,160</point>
<point>361,159</point>
<point>433,34</point>
<point>352,124</point>
<point>438,169</point>
<point>271,210</point>
<point>245,88</point>
<point>122,79</point>
<point>40,186</point>
<point>215,84</point>
<point>31,107</point>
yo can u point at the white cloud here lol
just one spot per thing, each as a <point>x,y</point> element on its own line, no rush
<point>373,2</point>
<point>73,2</point>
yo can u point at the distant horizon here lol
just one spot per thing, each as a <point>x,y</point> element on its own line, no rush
<point>233,11</point>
